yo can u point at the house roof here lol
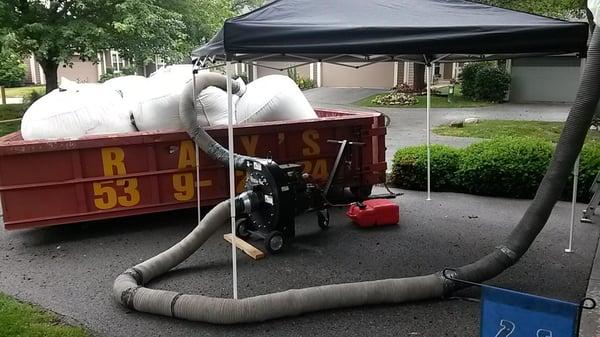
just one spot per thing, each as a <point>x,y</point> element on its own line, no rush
<point>390,30</point>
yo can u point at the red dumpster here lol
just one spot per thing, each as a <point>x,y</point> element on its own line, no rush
<point>65,181</point>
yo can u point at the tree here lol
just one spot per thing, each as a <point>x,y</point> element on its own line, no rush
<point>241,6</point>
<point>201,18</point>
<point>55,30</point>
<point>564,9</point>
<point>12,69</point>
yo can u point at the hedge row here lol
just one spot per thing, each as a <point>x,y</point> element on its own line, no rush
<point>505,167</point>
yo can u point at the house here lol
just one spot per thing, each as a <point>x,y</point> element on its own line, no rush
<point>548,79</point>
<point>88,71</point>
<point>378,75</point>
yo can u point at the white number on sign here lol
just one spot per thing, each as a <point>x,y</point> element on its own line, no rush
<point>507,328</point>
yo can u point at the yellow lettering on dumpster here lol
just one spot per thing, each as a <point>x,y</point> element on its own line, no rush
<point>309,138</point>
<point>187,154</point>
<point>320,169</point>
<point>113,161</point>
<point>131,195</point>
<point>317,168</point>
<point>249,143</point>
<point>106,196</point>
<point>110,193</point>
<point>183,183</point>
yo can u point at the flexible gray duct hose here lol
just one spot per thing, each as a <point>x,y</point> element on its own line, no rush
<point>189,116</point>
<point>568,148</point>
<point>129,292</point>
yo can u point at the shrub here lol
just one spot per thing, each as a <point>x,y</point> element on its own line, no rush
<point>510,167</point>
<point>394,98</point>
<point>303,83</point>
<point>589,166</point>
<point>306,83</point>
<point>468,79</point>
<point>12,69</point>
<point>484,82</point>
<point>404,89</point>
<point>409,167</point>
<point>32,96</point>
<point>506,167</point>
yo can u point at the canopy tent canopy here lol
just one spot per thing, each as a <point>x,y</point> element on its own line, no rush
<point>390,30</point>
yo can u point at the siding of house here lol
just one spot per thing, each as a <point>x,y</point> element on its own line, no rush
<point>378,75</point>
<point>303,71</point>
<point>79,71</point>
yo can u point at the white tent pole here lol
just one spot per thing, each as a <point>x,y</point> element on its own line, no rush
<point>195,68</point>
<point>428,74</point>
<point>573,203</point>
<point>198,180</point>
<point>575,182</point>
<point>231,176</point>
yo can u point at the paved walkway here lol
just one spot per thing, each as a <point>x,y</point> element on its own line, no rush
<point>14,100</point>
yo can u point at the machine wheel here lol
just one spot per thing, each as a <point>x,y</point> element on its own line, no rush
<point>323,219</point>
<point>241,228</point>
<point>274,242</point>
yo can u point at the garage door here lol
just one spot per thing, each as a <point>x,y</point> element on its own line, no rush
<point>545,79</point>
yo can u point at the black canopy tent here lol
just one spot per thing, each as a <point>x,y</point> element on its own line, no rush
<point>321,30</point>
<point>425,31</point>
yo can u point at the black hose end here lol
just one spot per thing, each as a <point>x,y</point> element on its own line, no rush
<point>136,274</point>
<point>127,297</point>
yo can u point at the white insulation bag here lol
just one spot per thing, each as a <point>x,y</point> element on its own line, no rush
<point>74,111</point>
<point>594,6</point>
<point>273,98</point>
<point>158,106</point>
<point>131,87</point>
<point>214,104</point>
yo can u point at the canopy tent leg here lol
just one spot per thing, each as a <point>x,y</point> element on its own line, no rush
<point>198,182</point>
<point>231,176</point>
<point>194,70</point>
<point>428,74</point>
<point>573,204</point>
<point>575,183</point>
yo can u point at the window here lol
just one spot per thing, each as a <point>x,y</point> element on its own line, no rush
<point>117,62</point>
<point>437,70</point>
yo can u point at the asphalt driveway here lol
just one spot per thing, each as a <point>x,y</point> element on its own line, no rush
<point>408,125</point>
<point>70,269</point>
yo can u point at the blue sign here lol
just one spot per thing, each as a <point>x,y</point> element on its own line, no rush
<point>508,313</point>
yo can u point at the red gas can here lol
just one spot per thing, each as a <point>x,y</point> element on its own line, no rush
<point>375,212</point>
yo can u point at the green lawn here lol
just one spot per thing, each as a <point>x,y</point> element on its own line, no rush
<point>24,320</point>
<point>499,128</point>
<point>458,101</point>
<point>24,91</point>
<point>11,111</point>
